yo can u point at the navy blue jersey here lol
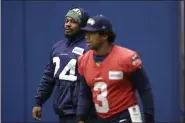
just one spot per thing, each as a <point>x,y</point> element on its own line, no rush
<point>62,77</point>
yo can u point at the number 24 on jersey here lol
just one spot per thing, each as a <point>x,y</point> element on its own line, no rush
<point>70,66</point>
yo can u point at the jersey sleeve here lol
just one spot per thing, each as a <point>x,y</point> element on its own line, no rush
<point>47,82</point>
<point>85,103</point>
<point>46,85</point>
<point>133,62</point>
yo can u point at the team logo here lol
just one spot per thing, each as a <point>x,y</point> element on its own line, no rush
<point>134,109</point>
<point>91,21</point>
<point>77,10</point>
<point>135,60</point>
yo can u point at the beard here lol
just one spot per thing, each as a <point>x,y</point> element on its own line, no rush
<point>72,34</point>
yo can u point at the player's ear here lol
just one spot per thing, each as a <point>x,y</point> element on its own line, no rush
<point>104,37</point>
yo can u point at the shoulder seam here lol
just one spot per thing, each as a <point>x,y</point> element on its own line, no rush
<point>57,44</point>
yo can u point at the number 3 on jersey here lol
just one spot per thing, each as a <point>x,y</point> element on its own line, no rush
<point>69,67</point>
<point>102,97</point>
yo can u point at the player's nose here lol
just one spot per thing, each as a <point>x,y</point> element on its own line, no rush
<point>67,24</point>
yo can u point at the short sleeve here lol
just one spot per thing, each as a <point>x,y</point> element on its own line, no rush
<point>133,62</point>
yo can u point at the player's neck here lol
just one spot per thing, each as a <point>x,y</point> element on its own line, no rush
<point>105,49</point>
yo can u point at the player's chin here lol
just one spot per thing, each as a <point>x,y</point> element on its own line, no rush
<point>67,34</point>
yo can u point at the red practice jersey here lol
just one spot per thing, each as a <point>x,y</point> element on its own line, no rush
<point>111,89</point>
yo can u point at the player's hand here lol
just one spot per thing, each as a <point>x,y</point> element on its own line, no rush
<point>37,112</point>
<point>81,122</point>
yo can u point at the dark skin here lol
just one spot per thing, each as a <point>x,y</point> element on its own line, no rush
<point>71,27</point>
<point>98,43</point>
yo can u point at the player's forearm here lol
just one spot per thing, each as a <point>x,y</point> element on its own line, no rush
<point>81,118</point>
<point>43,93</point>
<point>84,101</point>
<point>45,87</point>
<point>148,105</point>
<point>141,83</point>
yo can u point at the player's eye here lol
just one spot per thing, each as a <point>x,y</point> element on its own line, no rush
<point>66,21</point>
<point>73,21</point>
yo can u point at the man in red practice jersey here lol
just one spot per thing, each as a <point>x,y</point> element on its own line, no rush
<point>112,74</point>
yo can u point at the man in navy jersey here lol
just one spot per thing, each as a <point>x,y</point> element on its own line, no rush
<point>60,74</point>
